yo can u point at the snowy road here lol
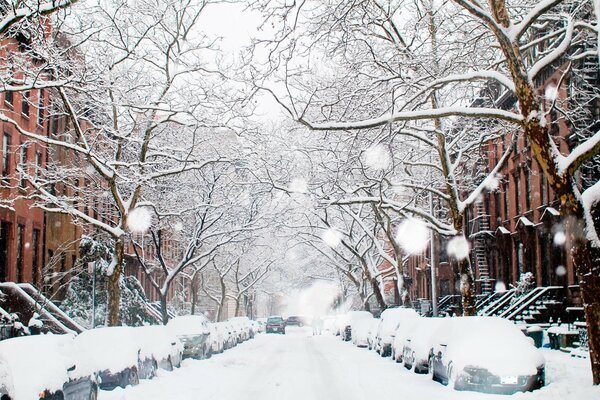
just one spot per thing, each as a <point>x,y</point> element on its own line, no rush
<point>301,366</point>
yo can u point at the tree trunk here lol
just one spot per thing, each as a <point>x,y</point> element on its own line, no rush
<point>467,287</point>
<point>114,288</point>
<point>163,309</point>
<point>378,295</point>
<point>223,299</point>
<point>194,287</point>
<point>585,260</point>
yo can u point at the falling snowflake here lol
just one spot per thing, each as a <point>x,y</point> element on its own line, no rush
<point>332,238</point>
<point>551,92</point>
<point>458,248</point>
<point>413,236</point>
<point>178,226</point>
<point>298,185</point>
<point>561,271</point>
<point>377,157</point>
<point>139,220</point>
<point>500,287</point>
<point>560,238</point>
<point>492,182</point>
<point>27,246</point>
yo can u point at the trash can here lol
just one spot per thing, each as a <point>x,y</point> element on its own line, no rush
<point>554,341</point>
<point>537,334</point>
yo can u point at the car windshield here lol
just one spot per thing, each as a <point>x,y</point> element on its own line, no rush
<point>274,320</point>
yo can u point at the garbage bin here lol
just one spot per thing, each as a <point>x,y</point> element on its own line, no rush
<point>554,341</point>
<point>537,334</point>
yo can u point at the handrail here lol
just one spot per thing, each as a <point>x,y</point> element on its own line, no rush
<point>531,300</point>
<point>495,306</point>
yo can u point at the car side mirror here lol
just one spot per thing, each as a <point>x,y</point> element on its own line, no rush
<point>72,368</point>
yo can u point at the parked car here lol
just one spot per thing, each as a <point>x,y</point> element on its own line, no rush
<point>294,320</point>
<point>161,345</point>
<point>115,354</point>
<point>193,332</point>
<point>390,319</point>
<point>418,345</point>
<point>217,338</point>
<point>242,327</point>
<point>230,334</point>
<point>400,336</point>
<point>372,336</point>
<point>353,319</point>
<point>42,366</point>
<point>275,324</point>
<point>486,354</point>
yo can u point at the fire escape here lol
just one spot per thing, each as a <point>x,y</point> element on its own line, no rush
<point>480,228</point>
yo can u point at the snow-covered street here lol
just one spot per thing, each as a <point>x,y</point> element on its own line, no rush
<point>301,366</point>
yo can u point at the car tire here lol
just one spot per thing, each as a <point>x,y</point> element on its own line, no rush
<point>451,377</point>
<point>57,396</point>
<point>130,377</point>
<point>432,369</point>
<point>153,369</point>
<point>169,364</point>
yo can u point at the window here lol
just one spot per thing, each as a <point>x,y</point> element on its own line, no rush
<point>528,189</point>
<point>4,242</point>
<point>35,248</point>
<point>517,192</point>
<point>25,104</point>
<point>38,164</point>
<point>23,162</point>
<point>20,242</point>
<point>506,200</point>
<point>9,98</point>
<point>543,187</point>
<point>5,156</point>
<point>40,108</point>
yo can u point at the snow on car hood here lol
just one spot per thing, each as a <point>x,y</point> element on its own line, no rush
<point>32,364</point>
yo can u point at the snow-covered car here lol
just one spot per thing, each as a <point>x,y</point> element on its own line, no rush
<point>400,336</point>
<point>160,344</point>
<point>42,366</point>
<point>486,354</point>
<point>230,334</point>
<point>217,338</point>
<point>115,354</point>
<point>242,327</point>
<point>418,344</point>
<point>360,320</point>
<point>193,332</point>
<point>372,336</point>
<point>275,324</point>
<point>390,320</point>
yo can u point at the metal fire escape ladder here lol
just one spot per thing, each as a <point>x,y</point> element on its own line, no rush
<point>481,225</point>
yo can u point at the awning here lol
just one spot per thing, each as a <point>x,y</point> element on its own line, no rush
<point>502,231</point>
<point>525,222</point>
<point>549,214</point>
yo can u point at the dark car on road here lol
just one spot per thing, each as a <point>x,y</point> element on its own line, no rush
<point>275,325</point>
<point>294,321</point>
